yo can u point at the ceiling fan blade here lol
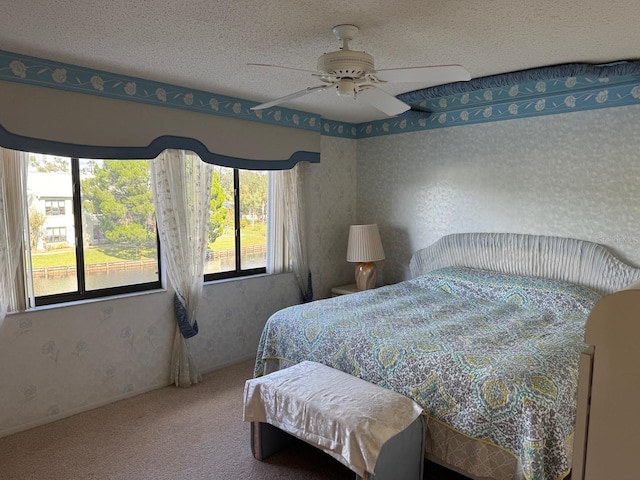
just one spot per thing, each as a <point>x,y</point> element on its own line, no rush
<point>383,101</point>
<point>291,96</point>
<point>434,75</point>
<point>280,66</point>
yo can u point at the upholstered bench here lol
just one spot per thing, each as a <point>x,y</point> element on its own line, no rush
<point>377,433</point>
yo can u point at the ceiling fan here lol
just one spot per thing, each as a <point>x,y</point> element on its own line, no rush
<point>352,73</point>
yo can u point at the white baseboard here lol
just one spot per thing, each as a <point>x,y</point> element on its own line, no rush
<point>229,363</point>
<point>85,408</point>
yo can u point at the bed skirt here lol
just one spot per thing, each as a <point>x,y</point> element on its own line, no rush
<point>473,458</point>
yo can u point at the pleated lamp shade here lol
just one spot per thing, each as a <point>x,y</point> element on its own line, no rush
<point>364,244</point>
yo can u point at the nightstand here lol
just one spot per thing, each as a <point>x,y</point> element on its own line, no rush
<point>344,290</point>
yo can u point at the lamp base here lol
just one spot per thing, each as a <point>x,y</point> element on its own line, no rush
<point>365,275</point>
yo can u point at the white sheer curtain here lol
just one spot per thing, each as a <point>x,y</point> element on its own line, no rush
<point>181,185</point>
<point>289,242</point>
<point>13,183</point>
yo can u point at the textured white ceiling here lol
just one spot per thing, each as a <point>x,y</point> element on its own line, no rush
<point>206,44</point>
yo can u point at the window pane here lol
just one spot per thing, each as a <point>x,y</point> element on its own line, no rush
<point>118,223</point>
<point>221,255</point>
<point>51,230</point>
<point>253,219</point>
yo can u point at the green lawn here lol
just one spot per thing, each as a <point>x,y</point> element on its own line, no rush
<point>109,253</point>
<point>67,257</point>
<point>250,236</point>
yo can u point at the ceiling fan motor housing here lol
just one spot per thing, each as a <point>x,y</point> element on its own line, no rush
<point>346,63</point>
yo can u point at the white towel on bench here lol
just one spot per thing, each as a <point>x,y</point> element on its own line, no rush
<point>345,416</point>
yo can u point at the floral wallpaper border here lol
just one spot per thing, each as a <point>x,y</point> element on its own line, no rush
<point>36,71</point>
<point>527,99</point>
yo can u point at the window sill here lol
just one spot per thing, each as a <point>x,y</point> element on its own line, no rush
<point>76,303</point>
<point>237,279</point>
<point>136,294</point>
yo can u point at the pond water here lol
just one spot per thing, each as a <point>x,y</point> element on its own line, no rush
<point>106,279</point>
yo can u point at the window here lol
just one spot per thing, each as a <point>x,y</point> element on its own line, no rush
<point>238,224</point>
<point>92,228</point>
<point>54,207</point>
<point>56,235</point>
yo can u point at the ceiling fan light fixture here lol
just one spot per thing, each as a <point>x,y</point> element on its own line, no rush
<point>346,87</point>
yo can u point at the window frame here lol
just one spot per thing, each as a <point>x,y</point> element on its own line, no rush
<point>82,293</point>
<point>239,272</point>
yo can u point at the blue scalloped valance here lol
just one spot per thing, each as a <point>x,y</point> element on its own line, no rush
<point>18,142</point>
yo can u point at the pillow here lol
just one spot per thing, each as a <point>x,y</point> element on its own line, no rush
<point>525,291</point>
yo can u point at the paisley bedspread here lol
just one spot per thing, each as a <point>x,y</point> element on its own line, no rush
<point>490,355</point>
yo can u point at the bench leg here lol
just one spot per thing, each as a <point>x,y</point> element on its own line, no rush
<point>267,440</point>
<point>402,456</point>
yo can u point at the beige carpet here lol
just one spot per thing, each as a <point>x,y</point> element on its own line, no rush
<point>171,433</point>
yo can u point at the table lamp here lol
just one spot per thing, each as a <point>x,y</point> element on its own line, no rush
<point>365,247</point>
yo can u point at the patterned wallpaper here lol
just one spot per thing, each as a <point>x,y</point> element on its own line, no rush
<point>572,174</point>
<point>234,313</point>
<point>331,208</point>
<point>58,361</point>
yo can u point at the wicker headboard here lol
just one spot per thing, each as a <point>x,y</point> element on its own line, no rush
<point>577,261</point>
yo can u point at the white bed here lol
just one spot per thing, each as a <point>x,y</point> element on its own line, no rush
<point>582,263</point>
